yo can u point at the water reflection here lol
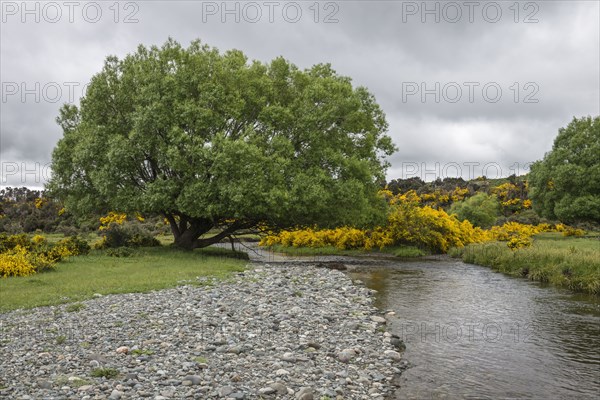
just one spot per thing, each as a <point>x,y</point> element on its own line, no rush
<point>473,333</point>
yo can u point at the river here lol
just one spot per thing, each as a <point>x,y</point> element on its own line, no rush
<point>473,333</point>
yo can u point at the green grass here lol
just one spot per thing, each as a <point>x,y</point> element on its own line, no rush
<point>79,278</point>
<point>398,251</point>
<point>75,307</point>
<point>107,373</point>
<point>569,262</point>
<point>142,352</point>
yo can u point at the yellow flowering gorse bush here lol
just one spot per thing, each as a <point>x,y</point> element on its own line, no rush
<point>21,256</point>
<point>112,218</point>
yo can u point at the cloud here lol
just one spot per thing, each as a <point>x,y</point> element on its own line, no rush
<point>546,71</point>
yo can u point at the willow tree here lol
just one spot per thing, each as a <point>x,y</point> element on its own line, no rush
<point>215,142</point>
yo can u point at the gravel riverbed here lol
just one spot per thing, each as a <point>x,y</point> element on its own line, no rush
<point>273,332</point>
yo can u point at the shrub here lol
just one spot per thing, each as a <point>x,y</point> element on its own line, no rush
<point>128,234</point>
<point>75,245</point>
<point>481,210</point>
<point>21,256</point>
<point>16,262</point>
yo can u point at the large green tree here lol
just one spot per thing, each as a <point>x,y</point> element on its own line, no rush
<point>212,141</point>
<point>565,185</point>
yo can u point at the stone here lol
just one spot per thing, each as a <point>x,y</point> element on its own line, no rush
<point>225,391</point>
<point>346,355</point>
<point>279,387</point>
<point>115,395</point>
<point>267,390</point>
<point>378,319</point>
<point>43,384</point>
<point>392,355</point>
<point>194,379</point>
<point>304,393</point>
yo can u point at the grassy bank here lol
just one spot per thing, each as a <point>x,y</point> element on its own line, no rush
<point>148,269</point>
<point>573,263</point>
<point>398,251</point>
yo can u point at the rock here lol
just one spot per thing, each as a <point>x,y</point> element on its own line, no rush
<point>99,358</point>
<point>378,319</point>
<point>225,391</point>
<point>346,355</point>
<point>193,379</point>
<point>267,390</point>
<point>237,395</point>
<point>43,384</point>
<point>123,350</point>
<point>279,387</point>
<point>398,344</point>
<point>392,355</point>
<point>115,395</point>
<point>332,265</point>
<point>304,393</point>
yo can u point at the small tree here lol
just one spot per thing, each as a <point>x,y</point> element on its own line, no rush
<point>481,210</point>
<point>213,141</point>
<point>565,185</point>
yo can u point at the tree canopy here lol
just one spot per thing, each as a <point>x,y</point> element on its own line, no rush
<point>565,185</point>
<point>212,141</point>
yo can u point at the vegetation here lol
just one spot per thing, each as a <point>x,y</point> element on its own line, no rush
<point>212,141</point>
<point>397,251</point>
<point>568,262</point>
<point>107,373</point>
<point>81,277</point>
<point>481,210</point>
<point>408,223</point>
<point>21,255</point>
<point>566,183</point>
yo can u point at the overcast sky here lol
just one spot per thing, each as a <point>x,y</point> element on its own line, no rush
<point>469,88</point>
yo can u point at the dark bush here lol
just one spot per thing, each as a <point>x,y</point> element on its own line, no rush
<point>75,245</point>
<point>525,217</point>
<point>130,234</point>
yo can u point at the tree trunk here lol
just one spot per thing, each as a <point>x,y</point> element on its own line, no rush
<point>186,240</point>
<point>187,231</point>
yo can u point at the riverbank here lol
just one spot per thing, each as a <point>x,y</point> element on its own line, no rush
<point>397,251</point>
<point>572,263</point>
<point>289,332</point>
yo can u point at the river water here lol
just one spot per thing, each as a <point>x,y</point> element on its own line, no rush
<point>475,334</point>
<point>472,333</point>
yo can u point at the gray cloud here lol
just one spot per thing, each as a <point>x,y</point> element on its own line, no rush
<point>555,61</point>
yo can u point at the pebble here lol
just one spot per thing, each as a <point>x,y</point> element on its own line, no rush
<point>378,319</point>
<point>392,355</point>
<point>249,336</point>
